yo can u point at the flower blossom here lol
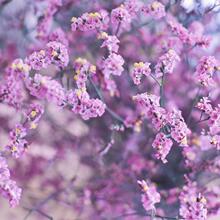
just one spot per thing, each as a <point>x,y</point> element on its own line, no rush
<point>150,107</point>
<point>155,9</point>
<point>111,42</point>
<point>205,70</point>
<point>82,104</point>
<point>38,60</point>
<point>192,203</point>
<point>150,195</point>
<point>43,87</point>
<point>57,53</point>
<point>179,129</point>
<point>167,63</point>
<point>8,187</point>
<point>113,65</point>
<point>12,90</point>
<point>120,16</point>
<point>90,21</point>
<point>82,68</point>
<point>139,70</point>
<point>162,144</point>
<point>18,143</point>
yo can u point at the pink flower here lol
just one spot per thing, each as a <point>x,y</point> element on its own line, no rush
<point>44,87</point>
<point>205,70</point>
<point>192,203</point>
<point>133,6</point>
<point>204,105</point>
<point>18,144</point>
<point>139,70</point>
<point>57,53</point>
<point>179,129</point>
<point>81,103</point>
<point>82,68</point>
<point>149,106</point>
<point>38,60</point>
<point>155,9</point>
<point>113,65</point>
<point>120,16</point>
<point>91,21</point>
<point>167,63</point>
<point>111,42</point>
<point>150,195</point>
<point>162,145</point>
<point>8,187</point>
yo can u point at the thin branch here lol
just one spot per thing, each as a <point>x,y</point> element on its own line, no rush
<point>111,112</point>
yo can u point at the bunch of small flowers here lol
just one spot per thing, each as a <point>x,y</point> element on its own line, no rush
<point>139,70</point>
<point>8,187</point>
<point>121,16</point>
<point>150,195</point>
<point>83,69</point>
<point>167,62</point>
<point>179,129</point>
<point>112,65</point>
<point>57,53</point>
<point>205,70</point>
<point>12,91</point>
<point>111,42</point>
<point>38,60</point>
<point>91,21</point>
<point>18,143</point>
<point>81,103</point>
<point>149,105</point>
<point>43,87</point>
<point>192,203</point>
<point>162,144</point>
<point>155,9</point>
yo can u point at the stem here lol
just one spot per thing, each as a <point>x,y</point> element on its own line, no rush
<point>193,105</point>
<point>111,112</point>
<point>118,28</point>
<point>162,90</point>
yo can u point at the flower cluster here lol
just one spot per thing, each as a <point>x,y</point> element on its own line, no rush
<point>12,91</point>
<point>43,87</point>
<point>55,53</point>
<point>179,129</point>
<point>82,104</point>
<point>111,42</point>
<point>155,9</point>
<point>139,70</point>
<point>150,106</point>
<point>18,143</point>
<point>193,37</point>
<point>162,145</point>
<point>192,203</point>
<point>91,21</point>
<point>121,17</point>
<point>8,187</point>
<point>150,195</point>
<point>113,65</point>
<point>213,120</point>
<point>205,69</point>
<point>82,68</point>
<point>166,63</point>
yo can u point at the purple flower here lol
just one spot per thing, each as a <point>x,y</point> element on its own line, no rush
<point>162,144</point>
<point>167,63</point>
<point>139,70</point>
<point>113,65</point>
<point>155,9</point>
<point>192,203</point>
<point>150,195</point>
<point>205,69</point>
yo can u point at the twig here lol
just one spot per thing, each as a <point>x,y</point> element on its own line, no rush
<point>111,112</point>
